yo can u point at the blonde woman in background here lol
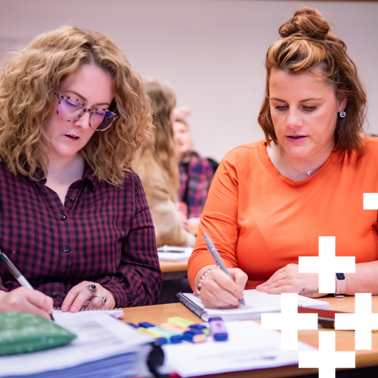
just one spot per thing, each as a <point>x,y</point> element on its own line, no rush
<point>158,169</point>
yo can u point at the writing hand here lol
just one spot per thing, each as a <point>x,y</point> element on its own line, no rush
<point>79,295</point>
<point>218,290</point>
<point>23,299</point>
<point>289,280</point>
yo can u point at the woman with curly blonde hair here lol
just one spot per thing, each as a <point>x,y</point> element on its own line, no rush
<point>158,169</point>
<point>75,220</point>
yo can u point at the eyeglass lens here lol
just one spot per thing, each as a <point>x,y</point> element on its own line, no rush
<point>71,110</point>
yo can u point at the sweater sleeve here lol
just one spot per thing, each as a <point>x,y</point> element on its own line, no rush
<point>219,219</point>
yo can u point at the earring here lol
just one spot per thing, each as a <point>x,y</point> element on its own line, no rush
<point>342,114</point>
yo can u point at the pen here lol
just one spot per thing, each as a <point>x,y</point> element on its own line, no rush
<point>16,274</point>
<point>218,260</point>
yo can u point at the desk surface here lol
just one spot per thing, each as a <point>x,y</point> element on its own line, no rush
<point>344,339</point>
<point>173,266</point>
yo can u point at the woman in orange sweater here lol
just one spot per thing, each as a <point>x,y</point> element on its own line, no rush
<point>271,200</point>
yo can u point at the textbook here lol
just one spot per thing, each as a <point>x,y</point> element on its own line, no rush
<point>104,347</point>
<point>256,303</point>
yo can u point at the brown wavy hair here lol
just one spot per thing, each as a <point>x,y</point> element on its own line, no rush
<point>307,44</point>
<point>28,82</point>
<point>163,101</point>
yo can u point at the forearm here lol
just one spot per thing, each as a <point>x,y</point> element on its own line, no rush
<point>364,280</point>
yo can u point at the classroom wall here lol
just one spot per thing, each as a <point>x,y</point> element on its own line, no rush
<point>211,51</point>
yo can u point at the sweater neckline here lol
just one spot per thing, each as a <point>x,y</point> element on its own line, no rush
<point>273,171</point>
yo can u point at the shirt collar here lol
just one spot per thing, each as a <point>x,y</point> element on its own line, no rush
<point>87,177</point>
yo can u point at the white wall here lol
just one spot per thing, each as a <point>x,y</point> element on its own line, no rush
<point>211,51</point>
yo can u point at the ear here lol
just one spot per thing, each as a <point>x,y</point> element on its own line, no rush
<point>342,104</point>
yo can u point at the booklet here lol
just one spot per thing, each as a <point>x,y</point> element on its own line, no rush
<point>255,304</point>
<point>172,253</point>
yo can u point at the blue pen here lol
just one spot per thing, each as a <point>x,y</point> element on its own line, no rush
<point>218,260</point>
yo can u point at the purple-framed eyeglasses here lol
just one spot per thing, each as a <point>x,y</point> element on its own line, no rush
<point>71,109</point>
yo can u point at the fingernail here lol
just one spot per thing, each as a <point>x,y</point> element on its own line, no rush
<point>73,309</point>
<point>64,308</point>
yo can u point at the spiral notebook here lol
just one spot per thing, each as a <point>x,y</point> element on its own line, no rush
<point>255,304</point>
<point>59,314</point>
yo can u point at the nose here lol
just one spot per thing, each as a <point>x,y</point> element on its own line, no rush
<point>294,119</point>
<point>83,121</point>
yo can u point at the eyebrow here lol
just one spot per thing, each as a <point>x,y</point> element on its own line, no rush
<point>307,99</point>
<point>84,99</point>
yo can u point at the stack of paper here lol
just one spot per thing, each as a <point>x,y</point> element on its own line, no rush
<point>172,253</point>
<point>248,347</point>
<point>105,347</point>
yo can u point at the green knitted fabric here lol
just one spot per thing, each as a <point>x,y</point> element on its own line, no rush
<point>22,332</point>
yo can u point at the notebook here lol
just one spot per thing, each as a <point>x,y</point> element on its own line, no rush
<point>172,253</point>
<point>255,304</point>
<point>59,314</point>
<point>104,347</point>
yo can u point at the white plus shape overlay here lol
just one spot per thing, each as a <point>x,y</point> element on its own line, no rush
<point>326,359</point>
<point>362,321</point>
<point>326,264</point>
<point>289,321</point>
<point>370,201</point>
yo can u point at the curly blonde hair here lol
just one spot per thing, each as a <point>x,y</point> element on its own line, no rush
<point>27,85</point>
<point>306,44</point>
<point>163,101</point>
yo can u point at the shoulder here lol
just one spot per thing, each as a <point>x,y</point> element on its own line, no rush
<point>244,155</point>
<point>371,147</point>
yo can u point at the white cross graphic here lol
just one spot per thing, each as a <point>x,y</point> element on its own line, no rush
<point>326,359</point>
<point>326,264</point>
<point>362,321</point>
<point>370,201</point>
<point>289,321</point>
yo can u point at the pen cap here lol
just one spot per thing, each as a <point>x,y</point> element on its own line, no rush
<point>218,329</point>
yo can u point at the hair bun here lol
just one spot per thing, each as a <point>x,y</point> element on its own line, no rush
<point>306,22</point>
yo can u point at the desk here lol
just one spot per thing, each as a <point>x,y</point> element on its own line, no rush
<point>173,270</point>
<point>344,339</point>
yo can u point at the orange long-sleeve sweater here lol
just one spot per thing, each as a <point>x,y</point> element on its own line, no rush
<point>260,221</point>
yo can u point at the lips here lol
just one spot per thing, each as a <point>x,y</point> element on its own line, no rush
<point>70,136</point>
<point>296,137</point>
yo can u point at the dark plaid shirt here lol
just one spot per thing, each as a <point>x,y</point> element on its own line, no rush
<point>102,233</point>
<point>195,180</point>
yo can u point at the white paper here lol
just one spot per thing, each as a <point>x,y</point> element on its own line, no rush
<point>255,304</point>
<point>168,253</point>
<point>59,314</point>
<point>99,336</point>
<point>248,347</point>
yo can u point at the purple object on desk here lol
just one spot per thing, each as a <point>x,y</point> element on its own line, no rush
<point>218,329</point>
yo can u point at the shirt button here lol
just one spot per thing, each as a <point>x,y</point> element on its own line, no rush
<point>72,199</point>
<point>66,249</point>
<point>54,295</point>
<point>63,217</point>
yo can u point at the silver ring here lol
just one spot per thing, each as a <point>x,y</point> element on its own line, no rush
<point>102,299</point>
<point>92,289</point>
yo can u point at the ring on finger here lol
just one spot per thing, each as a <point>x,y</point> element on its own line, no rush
<point>92,289</point>
<point>101,298</point>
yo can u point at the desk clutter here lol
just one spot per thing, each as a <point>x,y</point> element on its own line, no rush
<point>103,347</point>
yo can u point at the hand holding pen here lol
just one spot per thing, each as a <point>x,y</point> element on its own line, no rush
<point>24,298</point>
<point>217,290</point>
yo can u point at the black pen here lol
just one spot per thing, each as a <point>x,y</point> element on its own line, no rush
<point>218,260</point>
<point>16,274</point>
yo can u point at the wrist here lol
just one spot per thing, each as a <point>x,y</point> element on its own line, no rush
<point>199,275</point>
<point>340,284</point>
